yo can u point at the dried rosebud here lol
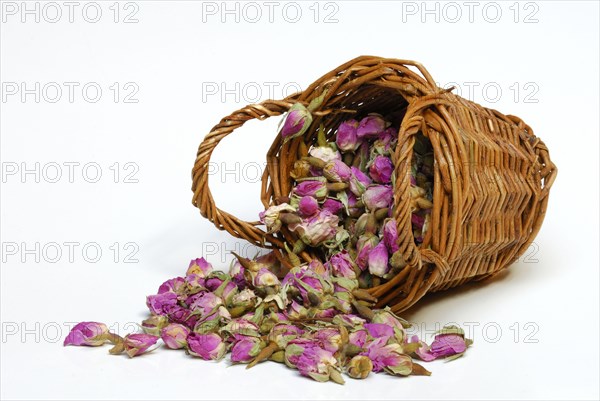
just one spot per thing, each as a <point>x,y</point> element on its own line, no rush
<point>337,171</point>
<point>378,197</point>
<point>378,260</point>
<point>204,303</point>
<point>314,188</point>
<point>281,334</point>
<point>388,357</point>
<point>270,217</point>
<point>359,367</point>
<point>315,230</point>
<point>177,314</point>
<point>443,346</point>
<point>318,364</point>
<point>265,278</point>
<point>296,122</point>
<point>199,267</point>
<point>379,330</point>
<point>371,126</point>
<point>154,324</point>
<point>175,285</point>
<point>346,137</point>
<point>381,170</point>
<point>341,265</point>
<point>325,153</point>
<point>390,235</point>
<point>364,246</point>
<point>384,145</point>
<point>329,339</point>
<point>208,346</point>
<point>157,303</point>
<point>333,206</point>
<point>91,334</point>
<point>175,335</point>
<point>308,206</point>
<point>215,280</point>
<point>359,181</point>
<point>295,348</point>
<point>138,344</point>
<point>245,348</point>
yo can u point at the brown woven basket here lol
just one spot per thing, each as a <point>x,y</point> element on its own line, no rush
<point>492,175</point>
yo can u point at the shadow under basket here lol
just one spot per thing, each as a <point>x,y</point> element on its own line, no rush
<point>492,175</point>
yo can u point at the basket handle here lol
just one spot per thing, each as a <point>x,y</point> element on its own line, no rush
<point>203,198</point>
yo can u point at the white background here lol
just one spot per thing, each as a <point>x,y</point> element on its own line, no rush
<point>535,327</point>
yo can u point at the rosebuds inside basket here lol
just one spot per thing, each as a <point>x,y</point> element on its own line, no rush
<point>435,189</point>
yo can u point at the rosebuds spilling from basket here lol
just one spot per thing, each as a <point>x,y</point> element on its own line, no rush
<point>310,318</point>
<point>314,317</point>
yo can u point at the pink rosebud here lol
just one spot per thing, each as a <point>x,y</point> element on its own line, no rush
<point>379,330</point>
<point>378,197</point>
<point>388,318</point>
<point>443,346</point>
<point>364,246</point>
<point>177,314</point>
<point>384,145</point>
<point>296,122</point>
<point>157,303</point>
<point>388,356</point>
<point>378,260</point>
<point>229,291</point>
<point>371,126</point>
<point>295,348</point>
<point>176,285</point>
<point>359,181</point>
<point>200,267</point>
<point>354,210</point>
<point>204,303</point>
<point>315,363</point>
<point>175,335</point>
<point>381,170</point>
<point>138,344</point>
<point>91,334</point>
<point>329,339</point>
<point>265,278</point>
<point>317,229</point>
<point>337,171</point>
<point>390,235</point>
<point>308,206</point>
<point>346,137</point>
<point>208,346</point>
<point>342,265</point>
<point>245,348</point>
<point>314,188</point>
<point>333,206</point>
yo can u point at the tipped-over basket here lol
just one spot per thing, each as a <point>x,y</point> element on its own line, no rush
<point>492,175</point>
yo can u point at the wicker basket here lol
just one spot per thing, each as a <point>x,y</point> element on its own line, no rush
<point>492,175</point>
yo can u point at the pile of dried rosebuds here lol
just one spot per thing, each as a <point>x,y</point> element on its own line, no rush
<point>314,317</point>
